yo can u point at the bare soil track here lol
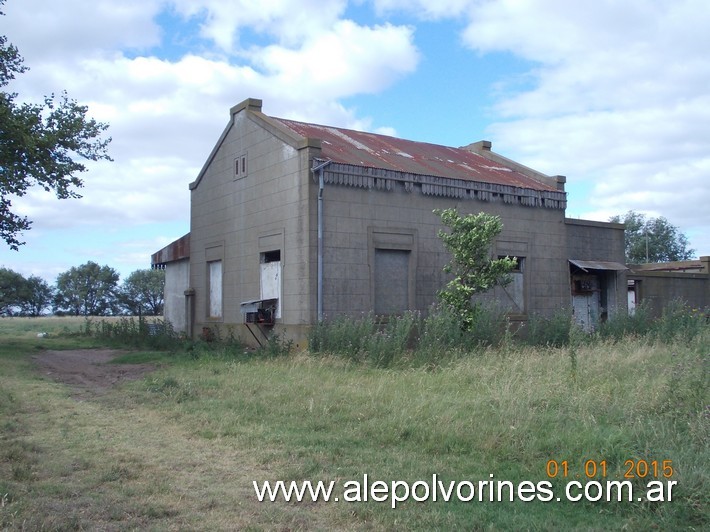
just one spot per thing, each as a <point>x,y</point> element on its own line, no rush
<point>88,371</point>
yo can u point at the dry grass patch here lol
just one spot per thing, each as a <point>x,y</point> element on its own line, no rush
<point>115,464</point>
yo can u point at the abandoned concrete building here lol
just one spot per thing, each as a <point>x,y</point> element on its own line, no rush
<point>292,223</point>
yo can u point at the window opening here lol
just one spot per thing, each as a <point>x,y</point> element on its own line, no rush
<point>271,256</point>
<point>514,298</point>
<point>240,166</point>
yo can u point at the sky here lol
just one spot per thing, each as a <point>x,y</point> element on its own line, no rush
<point>612,94</point>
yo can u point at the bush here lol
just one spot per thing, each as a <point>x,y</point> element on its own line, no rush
<point>443,330</point>
<point>488,327</point>
<point>365,338</point>
<point>343,335</point>
<point>639,323</point>
<point>391,339</point>
<point>553,331</point>
<point>679,321</point>
<point>277,345</point>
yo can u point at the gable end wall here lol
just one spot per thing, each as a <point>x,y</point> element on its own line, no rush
<point>240,215</point>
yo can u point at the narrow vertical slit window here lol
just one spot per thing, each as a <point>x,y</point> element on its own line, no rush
<point>240,166</point>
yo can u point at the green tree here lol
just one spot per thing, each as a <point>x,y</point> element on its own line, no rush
<point>40,145</point>
<point>652,239</point>
<point>469,240</point>
<point>142,292</point>
<point>36,296</point>
<point>87,290</point>
<point>11,284</point>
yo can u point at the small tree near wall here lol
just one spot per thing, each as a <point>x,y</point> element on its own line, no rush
<point>469,240</point>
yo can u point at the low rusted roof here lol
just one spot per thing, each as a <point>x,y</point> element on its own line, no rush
<point>177,250</point>
<point>382,151</point>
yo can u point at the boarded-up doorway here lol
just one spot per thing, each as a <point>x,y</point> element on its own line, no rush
<point>595,294</point>
<point>586,301</point>
<point>270,280</point>
<point>391,281</point>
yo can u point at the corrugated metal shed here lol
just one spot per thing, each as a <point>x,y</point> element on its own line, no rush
<point>177,250</point>
<point>391,153</point>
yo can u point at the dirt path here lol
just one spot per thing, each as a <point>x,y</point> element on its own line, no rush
<point>88,371</point>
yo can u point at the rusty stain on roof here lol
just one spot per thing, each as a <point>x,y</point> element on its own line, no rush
<point>381,151</point>
<point>177,250</point>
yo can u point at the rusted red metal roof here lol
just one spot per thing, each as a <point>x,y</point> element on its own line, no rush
<point>177,250</point>
<point>381,151</point>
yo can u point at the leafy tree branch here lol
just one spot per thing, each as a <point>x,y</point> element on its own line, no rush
<point>40,145</point>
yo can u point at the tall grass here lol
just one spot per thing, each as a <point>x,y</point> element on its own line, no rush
<point>180,449</point>
<point>407,337</point>
<point>440,336</point>
<point>553,331</point>
<point>365,339</point>
<point>133,332</point>
<point>498,412</point>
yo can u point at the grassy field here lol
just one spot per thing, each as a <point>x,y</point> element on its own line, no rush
<point>180,448</point>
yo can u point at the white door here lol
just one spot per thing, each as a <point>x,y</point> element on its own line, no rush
<point>271,283</point>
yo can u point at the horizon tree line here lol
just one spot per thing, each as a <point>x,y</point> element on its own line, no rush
<point>86,290</point>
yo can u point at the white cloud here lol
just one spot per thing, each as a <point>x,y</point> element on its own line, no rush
<point>43,28</point>
<point>289,22</point>
<point>143,190</point>
<point>617,95</point>
<point>344,61</point>
<point>618,98</point>
<point>166,114</point>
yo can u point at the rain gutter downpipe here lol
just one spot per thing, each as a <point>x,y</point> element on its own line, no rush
<point>319,168</point>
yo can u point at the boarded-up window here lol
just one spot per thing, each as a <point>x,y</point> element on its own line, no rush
<point>271,278</point>
<point>391,281</point>
<point>511,297</point>
<point>215,289</point>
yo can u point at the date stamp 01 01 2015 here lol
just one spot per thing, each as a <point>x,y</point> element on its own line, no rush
<point>592,469</point>
<point>650,471</point>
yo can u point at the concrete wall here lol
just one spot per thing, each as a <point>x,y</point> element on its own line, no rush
<point>658,289</point>
<point>236,218</point>
<point>358,221</point>
<point>177,280</point>
<point>589,240</point>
